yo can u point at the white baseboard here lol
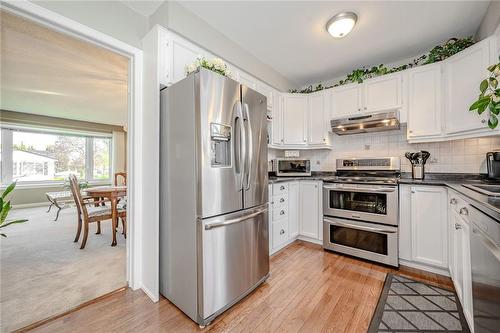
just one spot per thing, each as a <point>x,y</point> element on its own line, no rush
<point>310,240</point>
<point>33,204</point>
<point>154,298</point>
<point>424,267</point>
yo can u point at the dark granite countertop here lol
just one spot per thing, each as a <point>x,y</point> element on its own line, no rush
<point>484,203</point>
<point>315,175</point>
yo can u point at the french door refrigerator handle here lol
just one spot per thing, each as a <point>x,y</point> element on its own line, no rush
<point>239,149</point>
<point>236,220</point>
<point>248,146</point>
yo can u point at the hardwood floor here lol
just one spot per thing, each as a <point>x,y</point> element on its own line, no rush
<point>309,290</point>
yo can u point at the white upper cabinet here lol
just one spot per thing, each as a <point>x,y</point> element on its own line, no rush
<point>294,119</point>
<point>267,91</point>
<point>317,119</point>
<point>277,122</point>
<point>382,93</point>
<point>464,72</point>
<point>246,79</point>
<point>345,100</point>
<point>425,103</point>
<point>175,53</point>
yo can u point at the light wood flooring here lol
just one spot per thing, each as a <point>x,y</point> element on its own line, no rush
<point>309,290</point>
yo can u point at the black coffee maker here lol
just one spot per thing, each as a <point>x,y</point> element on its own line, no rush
<point>493,165</point>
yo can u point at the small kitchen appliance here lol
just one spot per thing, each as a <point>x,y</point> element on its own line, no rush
<point>292,167</point>
<point>360,209</point>
<point>493,165</point>
<point>417,161</point>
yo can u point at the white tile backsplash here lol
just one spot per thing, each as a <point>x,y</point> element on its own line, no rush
<point>457,156</point>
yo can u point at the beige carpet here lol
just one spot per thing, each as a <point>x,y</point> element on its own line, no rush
<point>43,273</point>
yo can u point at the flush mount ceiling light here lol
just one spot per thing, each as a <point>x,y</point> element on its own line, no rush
<point>341,24</point>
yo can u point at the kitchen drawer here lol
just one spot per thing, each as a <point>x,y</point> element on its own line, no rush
<point>280,188</point>
<point>280,233</point>
<point>280,200</point>
<point>280,213</point>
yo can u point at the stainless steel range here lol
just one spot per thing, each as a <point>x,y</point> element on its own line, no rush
<point>360,209</point>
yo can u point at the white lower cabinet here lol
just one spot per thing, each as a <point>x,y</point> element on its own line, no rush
<point>423,227</point>
<point>293,209</point>
<point>295,212</point>
<point>310,210</point>
<point>459,252</point>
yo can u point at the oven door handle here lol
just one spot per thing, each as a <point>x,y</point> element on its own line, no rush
<point>359,227</point>
<point>360,189</point>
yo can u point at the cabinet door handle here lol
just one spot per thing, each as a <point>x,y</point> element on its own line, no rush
<point>282,187</point>
<point>359,109</point>
<point>453,201</point>
<point>282,232</point>
<point>365,107</point>
<point>483,121</point>
<point>458,226</point>
<point>464,211</point>
<point>282,200</point>
<point>282,212</point>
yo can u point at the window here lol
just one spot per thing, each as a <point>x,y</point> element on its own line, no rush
<point>29,156</point>
<point>101,160</point>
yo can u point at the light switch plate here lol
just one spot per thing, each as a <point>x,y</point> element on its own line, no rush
<point>291,153</point>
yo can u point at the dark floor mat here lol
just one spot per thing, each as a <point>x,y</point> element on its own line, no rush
<point>406,305</point>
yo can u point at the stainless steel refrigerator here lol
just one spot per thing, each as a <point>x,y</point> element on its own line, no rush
<point>214,246</point>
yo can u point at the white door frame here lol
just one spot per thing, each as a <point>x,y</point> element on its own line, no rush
<point>135,163</point>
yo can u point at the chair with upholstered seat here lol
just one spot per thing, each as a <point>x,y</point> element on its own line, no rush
<point>89,210</point>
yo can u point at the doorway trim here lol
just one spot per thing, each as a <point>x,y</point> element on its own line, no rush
<point>135,177</point>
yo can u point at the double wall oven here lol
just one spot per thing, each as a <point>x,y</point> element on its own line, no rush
<point>360,209</point>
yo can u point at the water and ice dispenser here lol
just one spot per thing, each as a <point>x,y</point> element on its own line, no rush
<point>220,144</point>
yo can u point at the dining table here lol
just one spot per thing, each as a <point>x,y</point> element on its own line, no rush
<point>113,194</point>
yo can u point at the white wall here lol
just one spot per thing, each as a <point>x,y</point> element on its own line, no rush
<point>110,17</point>
<point>458,156</point>
<point>175,17</point>
<point>490,21</point>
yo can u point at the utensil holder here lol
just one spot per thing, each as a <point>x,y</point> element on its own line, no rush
<point>417,171</point>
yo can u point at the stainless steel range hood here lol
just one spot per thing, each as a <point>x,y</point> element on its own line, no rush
<point>368,122</point>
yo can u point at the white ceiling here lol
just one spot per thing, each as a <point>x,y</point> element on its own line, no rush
<point>49,73</point>
<point>290,36</point>
<point>143,7</point>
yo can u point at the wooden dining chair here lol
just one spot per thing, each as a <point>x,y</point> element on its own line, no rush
<point>89,210</point>
<point>123,201</point>
<point>123,175</point>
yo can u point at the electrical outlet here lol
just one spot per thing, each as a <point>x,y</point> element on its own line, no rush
<point>291,153</point>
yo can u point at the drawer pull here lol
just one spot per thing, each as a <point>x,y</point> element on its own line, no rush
<point>282,200</point>
<point>282,212</point>
<point>453,201</point>
<point>282,232</point>
<point>458,226</point>
<point>282,187</point>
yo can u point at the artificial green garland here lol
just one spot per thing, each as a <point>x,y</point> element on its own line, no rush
<point>438,53</point>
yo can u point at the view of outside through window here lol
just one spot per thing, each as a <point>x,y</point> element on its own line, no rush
<point>45,157</point>
<point>101,158</point>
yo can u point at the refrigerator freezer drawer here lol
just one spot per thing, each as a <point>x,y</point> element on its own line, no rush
<point>235,257</point>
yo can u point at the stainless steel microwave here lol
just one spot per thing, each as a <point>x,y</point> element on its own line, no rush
<point>292,167</point>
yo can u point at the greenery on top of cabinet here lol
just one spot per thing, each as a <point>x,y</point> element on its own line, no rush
<point>489,98</point>
<point>438,53</point>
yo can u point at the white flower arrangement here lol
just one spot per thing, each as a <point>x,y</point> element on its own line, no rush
<point>217,65</point>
